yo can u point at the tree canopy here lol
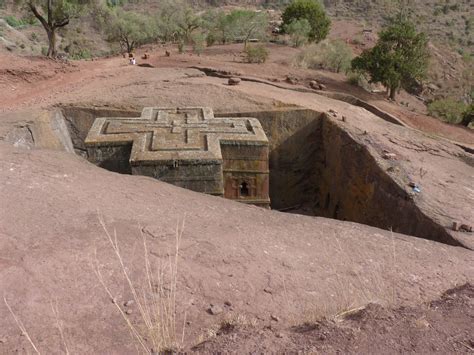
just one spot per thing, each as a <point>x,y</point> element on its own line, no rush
<point>312,11</point>
<point>299,31</point>
<point>246,24</point>
<point>399,57</point>
<point>129,28</point>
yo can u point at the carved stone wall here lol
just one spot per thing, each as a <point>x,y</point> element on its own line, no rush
<point>187,147</point>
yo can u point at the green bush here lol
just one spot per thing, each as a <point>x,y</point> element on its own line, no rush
<point>199,42</point>
<point>181,46</point>
<point>14,22</point>
<point>256,54</point>
<point>331,55</point>
<point>299,31</point>
<point>211,39</point>
<point>313,12</point>
<point>468,116</point>
<point>358,79</point>
<point>448,110</point>
<point>81,54</point>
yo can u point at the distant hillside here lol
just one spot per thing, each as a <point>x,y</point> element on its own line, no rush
<point>448,23</point>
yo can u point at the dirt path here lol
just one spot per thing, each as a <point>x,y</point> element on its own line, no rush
<point>38,82</point>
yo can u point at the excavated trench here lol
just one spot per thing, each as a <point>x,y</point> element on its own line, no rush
<point>316,169</point>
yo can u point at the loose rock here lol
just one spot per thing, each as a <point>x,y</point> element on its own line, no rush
<point>128,303</point>
<point>389,156</point>
<point>455,226</point>
<point>234,81</point>
<point>465,228</point>
<point>215,309</point>
<point>315,85</point>
<point>291,80</point>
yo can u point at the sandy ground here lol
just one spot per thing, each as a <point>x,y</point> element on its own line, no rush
<point>255,265</point>
<point>250,262</point>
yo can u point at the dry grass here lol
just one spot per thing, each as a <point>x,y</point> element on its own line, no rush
<point>155,298</point>
<point>21,326</point>
<point>229,324</point>
<point>342,295</point>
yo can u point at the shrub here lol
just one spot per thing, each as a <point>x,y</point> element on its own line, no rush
<point>448,109</point>
<point>313,12</point>
<point>468,116</point>
<point>211,39</point>
<point>358,79</point>
<point>331,55</point>
<point>14,22</point>
<point>299,31</point>
<point>256,54</point>
<point>199,42</point>
<point>81,54</point>
<point>181,46</point>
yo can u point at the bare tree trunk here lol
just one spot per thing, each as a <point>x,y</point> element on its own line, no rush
<point>50,25</point>
<point>52,42</point>
<point>393,92</point>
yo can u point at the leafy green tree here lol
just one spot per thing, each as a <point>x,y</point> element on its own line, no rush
<point>167,27</point>
<point>246,24</point>
<point>53,14</point>
<point>187,21</point>
<point>399,57</point>
<point>312,11</point>
<point>130,29</point>
<point>217,26</point>
<point>176,21</point>
<point>299,31</point>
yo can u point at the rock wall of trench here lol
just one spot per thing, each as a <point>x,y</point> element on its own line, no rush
<point>79,120</point>
<point>294,136</point>
<point>353,187</point>
<point>316,168</point>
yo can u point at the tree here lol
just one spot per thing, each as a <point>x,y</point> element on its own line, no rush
<point>130,29</point>
<point>177,21</point>
<point>312,11</point>
<point>53,14</point>
<point>299,31</point>
<point>246,24</point>
<point>217,25</point>
<point>399,57</point>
